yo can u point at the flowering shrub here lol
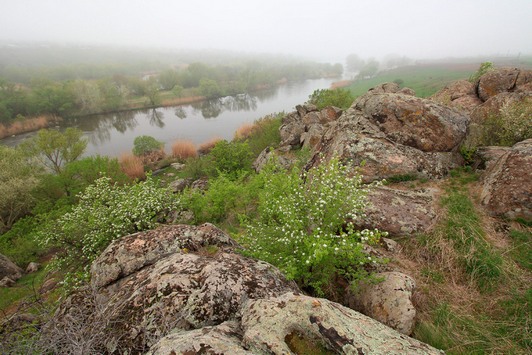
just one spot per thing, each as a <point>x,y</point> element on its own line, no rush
<point>105,212</point>
<point>302,226</point>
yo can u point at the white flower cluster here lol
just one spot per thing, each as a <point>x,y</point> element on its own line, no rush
<point>304,220</point>
<point>107,211</point>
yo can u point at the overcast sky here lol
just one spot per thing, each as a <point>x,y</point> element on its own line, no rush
<point>324,30</point>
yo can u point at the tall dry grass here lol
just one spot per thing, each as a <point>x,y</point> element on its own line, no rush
<point>132,166</point>
<point>183,150</point>
<point>244,131</point>
<point>207,146</point>
<point>27,125</point>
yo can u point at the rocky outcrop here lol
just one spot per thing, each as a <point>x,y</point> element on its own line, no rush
<point>389,133</point>
<point>459,94</point>
<point>182,289</point>
<point>304,126</point>
<point>507,188</point>
<point>389,301</point>
<point>502,80</point>
<point>225,338</point>
<point>277,325</point>
<point>400,212</point>
<point>301,128</point>
<point>494,104</point>
<point>9,272</point>
<point>174,277</point>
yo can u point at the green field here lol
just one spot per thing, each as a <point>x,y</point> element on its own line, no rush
<point>424,79</point>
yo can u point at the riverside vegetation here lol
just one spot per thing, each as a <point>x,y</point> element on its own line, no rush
<point>86,203</point>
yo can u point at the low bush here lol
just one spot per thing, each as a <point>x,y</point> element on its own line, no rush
<point>513,124</point>
<point>302,226</point>
<point>341,98</point>
<point>106,211</point>
<point>231,158</point>
<point>483,69</point>
<point>143,145</point>
<point>265,134</point>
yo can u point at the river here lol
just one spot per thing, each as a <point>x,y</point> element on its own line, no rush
<point>113,134</point>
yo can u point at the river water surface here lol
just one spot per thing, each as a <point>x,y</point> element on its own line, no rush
<point>113,134</point>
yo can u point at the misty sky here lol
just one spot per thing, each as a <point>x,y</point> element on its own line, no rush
<point>321,30</point>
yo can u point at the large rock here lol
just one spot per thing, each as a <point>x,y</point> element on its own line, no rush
<point>9,270</point>
<point>268,325</point>
<point>414,122</point>
<point>306,118</point>
<point>293,323</point>
<point>389,302</point>
<point>459,94</point>
<point>502,80</point>
<point>174,277</point>
<point>225,338</point>
<point>400,212</point>
<point>494,104</point>
<point>507,187</point>
<point>391,134</point>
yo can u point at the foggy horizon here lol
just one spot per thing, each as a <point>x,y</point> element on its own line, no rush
<point>313,30</point>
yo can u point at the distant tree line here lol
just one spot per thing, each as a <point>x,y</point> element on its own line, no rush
<point>111,93</point>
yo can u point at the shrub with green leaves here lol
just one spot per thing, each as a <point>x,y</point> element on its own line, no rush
<point>513,124</point>
<point>341,98</point>
<point>303,225</point>
<point>107,211</point>
<point>483,69</point>
<point>143,145</point>
<point>231,158</point>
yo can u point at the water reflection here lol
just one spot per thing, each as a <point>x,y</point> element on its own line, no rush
<point>214,108</point>
<point>180,112</point>
<point>156,118</point>
<point>112,134</point>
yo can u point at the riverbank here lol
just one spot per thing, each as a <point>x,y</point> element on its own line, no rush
<point>167,99</point>
<point>28,125</point>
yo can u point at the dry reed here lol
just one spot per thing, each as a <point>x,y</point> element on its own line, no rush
<point>183,150</point>
<point>207,146</point>
<point>27,125</point>
<point>132,166</point>
<point>244,131</point>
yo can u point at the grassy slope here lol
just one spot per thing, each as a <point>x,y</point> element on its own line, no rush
<point>473,274</point>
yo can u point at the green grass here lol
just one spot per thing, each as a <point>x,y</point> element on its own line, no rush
<point>487,309</point>
<point>27,287</point>
<point>486,331</point>
<point>463,227</point>
<point>521,251</point>
<point>425,80</point>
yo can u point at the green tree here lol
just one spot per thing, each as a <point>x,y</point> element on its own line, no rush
<point>168,79</point>
<point>210,88</point>
<point>54,149</point>
<point>369,69</point>
<point>17,180</point>
<point>152,92</point>
<point>50,97</point>
<point>354,63</point>
<point>75,177</point>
